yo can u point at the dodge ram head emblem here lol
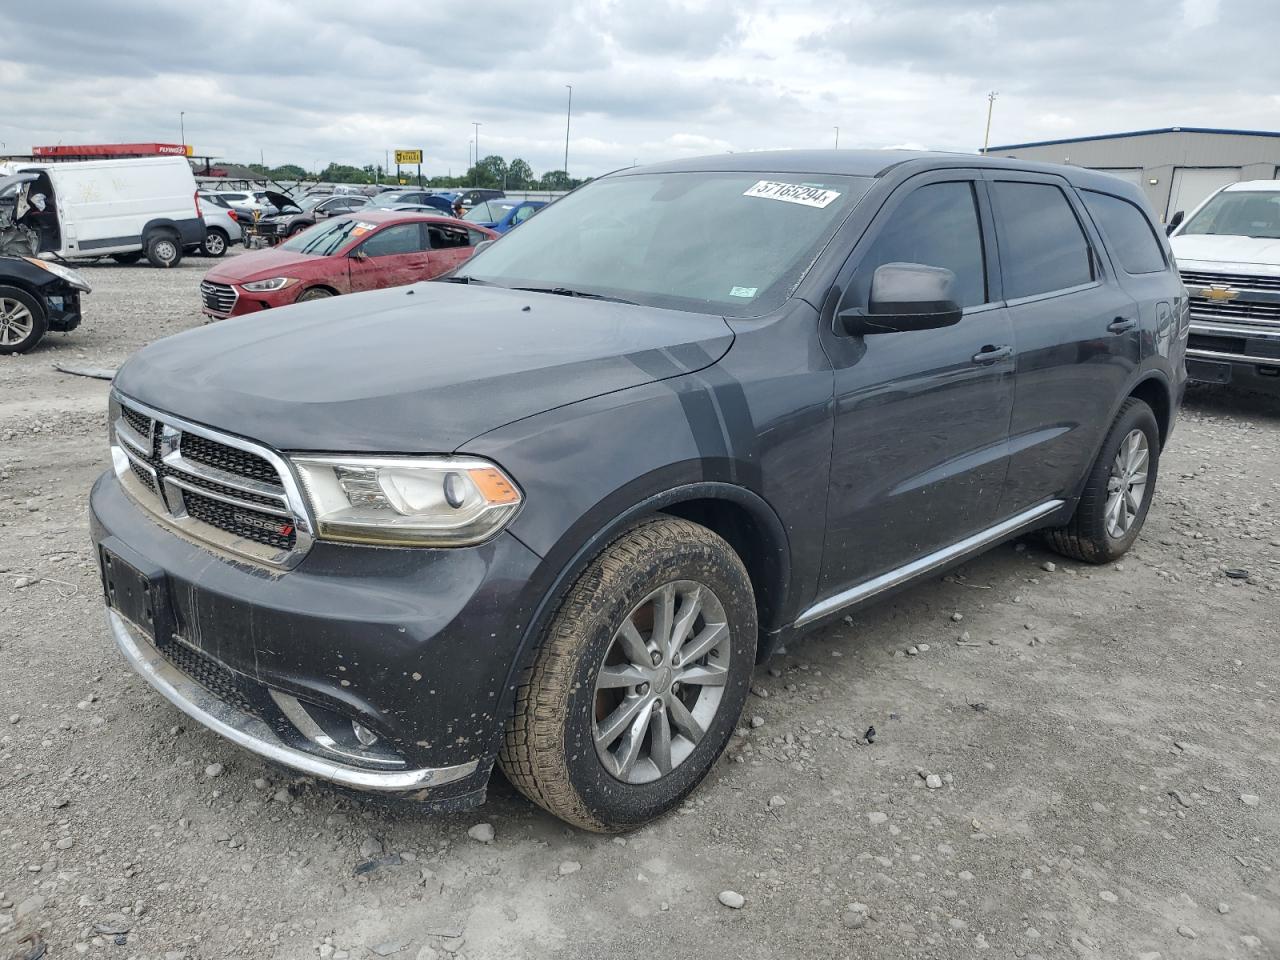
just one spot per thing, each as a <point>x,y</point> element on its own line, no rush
<point>1219,291</point>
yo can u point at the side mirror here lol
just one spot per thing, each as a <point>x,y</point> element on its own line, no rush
<point>482,245</point>
<point>359,254</point>
<point>905,296</point>
<point>1174,222</point>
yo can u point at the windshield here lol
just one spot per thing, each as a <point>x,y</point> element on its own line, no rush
<point>488,212</point>
<point>326,239</point>
<point>1239,213</point>
<point>728,243</point>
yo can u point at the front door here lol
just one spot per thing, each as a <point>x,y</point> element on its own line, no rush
<point>1075,329</point>
<point>922,417</point>
<point>393,256</point>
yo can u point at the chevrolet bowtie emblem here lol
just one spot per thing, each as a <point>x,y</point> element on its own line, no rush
<point>1219,291</point>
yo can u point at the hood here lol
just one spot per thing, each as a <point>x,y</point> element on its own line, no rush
<point>420,369</point>
<point>1226,249</point>
<point>257,265</point>
<point>279,200</point>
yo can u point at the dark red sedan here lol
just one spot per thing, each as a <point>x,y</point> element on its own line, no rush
<point>363,251</point>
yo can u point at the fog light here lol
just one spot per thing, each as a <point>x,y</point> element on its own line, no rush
<point>366,736</point>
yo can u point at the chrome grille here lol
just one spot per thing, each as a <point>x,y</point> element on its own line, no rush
<point>1249,311</point>
<point>1199,278</point>
<point>228,492</point>
<point>218,297</point>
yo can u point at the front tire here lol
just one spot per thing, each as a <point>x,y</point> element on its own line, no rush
<point>215,242</point>
<point>314,293</point>
<point>22,320</point>
<point>639,681</point>
<point>1118,491</point>
<point>163,250</point>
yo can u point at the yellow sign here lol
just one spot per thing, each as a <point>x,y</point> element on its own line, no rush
<point>408,156</point>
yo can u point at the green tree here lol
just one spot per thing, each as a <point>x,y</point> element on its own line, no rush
<point>556,180</point>
<point>519,175</point>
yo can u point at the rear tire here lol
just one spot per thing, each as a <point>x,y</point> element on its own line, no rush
<point>215,242</point>
<point>604,737</point>
<point>1118,491</point>
<point>164,250</point>
<point>22,320</point>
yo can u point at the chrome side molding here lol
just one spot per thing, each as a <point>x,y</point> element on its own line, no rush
<point>926,563</point>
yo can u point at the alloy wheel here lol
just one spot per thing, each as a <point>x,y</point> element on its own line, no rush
<point>661,682</point>
<point>214,243</point>
<point>16,322</point>
<point>1127,484</point>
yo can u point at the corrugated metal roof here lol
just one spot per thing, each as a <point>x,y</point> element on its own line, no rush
<point>1139,133</point>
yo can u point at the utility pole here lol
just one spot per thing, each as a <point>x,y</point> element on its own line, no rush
<point>477,166</point>
<point>837,138</point>
<point>991,102</point>
<point>567,118</point>
<point>182,127</point>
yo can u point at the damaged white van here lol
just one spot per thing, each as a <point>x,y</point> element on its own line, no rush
<point>125,209</point>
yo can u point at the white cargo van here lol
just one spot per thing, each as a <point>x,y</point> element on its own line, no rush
<point>125,209</point>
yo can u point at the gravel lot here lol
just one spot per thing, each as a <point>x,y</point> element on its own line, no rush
<point>1106,740</point>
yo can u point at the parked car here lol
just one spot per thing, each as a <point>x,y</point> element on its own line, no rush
<point>473,195</point>
<point>125,209</point>
<point>364,251</point>
<point>296,215</point>
<point>221,229</point>
<point>1229,254</point>
<point>392,200</point>
<point>502,215</point>
<point>35,297</point>
<point>247,204</point>
<point>551,510</point>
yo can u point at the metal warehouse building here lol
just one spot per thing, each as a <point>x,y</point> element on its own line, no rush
<point>1178,166</point>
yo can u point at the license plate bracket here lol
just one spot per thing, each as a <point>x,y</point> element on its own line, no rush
<point>1209,371</point>
<point>140,599</point>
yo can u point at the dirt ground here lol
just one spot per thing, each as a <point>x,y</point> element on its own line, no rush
<point>1108,740</point>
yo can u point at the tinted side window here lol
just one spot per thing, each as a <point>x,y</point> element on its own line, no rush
<point>396,239</point>
<point>1042,246</point>
<point>1128,233</point>
<point>936,225</point>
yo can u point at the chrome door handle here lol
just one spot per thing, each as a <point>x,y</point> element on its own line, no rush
<point>1122,324</point>
<point>990,354</point>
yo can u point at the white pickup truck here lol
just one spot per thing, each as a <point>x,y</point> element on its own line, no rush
<point>1228,251</point>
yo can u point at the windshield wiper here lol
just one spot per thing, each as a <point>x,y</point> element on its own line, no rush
<point>567,292</point>
<point>466,279</point>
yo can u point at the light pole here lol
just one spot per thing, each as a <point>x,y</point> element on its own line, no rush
<point>182,127</point>
<point>567,118</point>
<point>477,166</point>
<point>837,138</point>
<point>991,102</point>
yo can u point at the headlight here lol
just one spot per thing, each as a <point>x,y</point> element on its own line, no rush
<point>407,501</point>
<point>275,283</point>
<point>70,276</point>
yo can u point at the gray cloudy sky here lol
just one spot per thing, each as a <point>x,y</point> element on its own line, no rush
<point>320,80</point>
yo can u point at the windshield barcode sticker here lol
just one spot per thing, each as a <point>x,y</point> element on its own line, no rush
<point>792,193</point>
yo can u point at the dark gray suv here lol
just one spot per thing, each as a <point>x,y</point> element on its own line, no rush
<point>551,511</point>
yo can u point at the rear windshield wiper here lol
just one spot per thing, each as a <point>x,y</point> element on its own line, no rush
<point>567,292</point>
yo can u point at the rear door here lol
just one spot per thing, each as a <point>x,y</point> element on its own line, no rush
<point>450,246</point>
<point>1076,333</point>
<point>395,255</point>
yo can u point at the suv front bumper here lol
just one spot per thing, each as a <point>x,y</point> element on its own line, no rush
<point>413,646</point>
